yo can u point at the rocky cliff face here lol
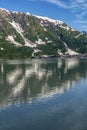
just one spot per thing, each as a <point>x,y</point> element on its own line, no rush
<point>26,35</point>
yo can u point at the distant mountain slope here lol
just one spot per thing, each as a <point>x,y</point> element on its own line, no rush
<point>25,35</point>
<point>84,32</point>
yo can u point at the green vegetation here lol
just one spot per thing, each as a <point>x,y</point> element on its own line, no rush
<point>54,37</point>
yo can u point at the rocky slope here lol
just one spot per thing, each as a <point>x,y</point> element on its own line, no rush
<point>24,35</point>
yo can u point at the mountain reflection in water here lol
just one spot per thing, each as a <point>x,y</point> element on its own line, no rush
<point>25,80</point>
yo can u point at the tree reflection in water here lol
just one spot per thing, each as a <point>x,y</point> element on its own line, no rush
<point>23,80</point>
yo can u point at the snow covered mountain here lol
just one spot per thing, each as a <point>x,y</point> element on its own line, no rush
<point>27,35</point>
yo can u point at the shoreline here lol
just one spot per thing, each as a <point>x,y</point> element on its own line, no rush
<point>50,56</point>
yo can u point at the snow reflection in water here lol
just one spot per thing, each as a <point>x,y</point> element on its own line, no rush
<point>25,80</point>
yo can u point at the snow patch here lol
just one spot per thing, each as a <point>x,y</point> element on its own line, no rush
<point>65,44</point>
<point>49,41</point>
<point>20,31</point>
<point>3,9</point>
<point>45,29</point>
<point>12,40</point>
<point>69,51</point>
<point>40,41</point>
<point>27,24</point>
<point>45,56</point>
<point>17,27</point>
<point>43,26</point>
<point>36,50</point>
<point>2,48</point>
<point>27,13</point>
<point>41,21</point>
<point>72,29</point>
<point>65,27</point>
<point>49,19</point>
<point>59,52</point>
<point>78,35</point>
<point>15,12</point>
<point>46,38</point>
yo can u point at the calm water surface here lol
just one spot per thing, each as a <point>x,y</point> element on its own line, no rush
<point>43,94</point>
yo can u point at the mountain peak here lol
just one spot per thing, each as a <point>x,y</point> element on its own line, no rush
<point>3,9</point>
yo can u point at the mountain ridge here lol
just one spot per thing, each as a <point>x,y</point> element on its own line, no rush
<point>26,35</point>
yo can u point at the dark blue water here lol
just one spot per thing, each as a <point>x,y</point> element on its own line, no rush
<point>43,94</point>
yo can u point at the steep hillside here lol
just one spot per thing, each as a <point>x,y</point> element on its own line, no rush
<point>25,35</point>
